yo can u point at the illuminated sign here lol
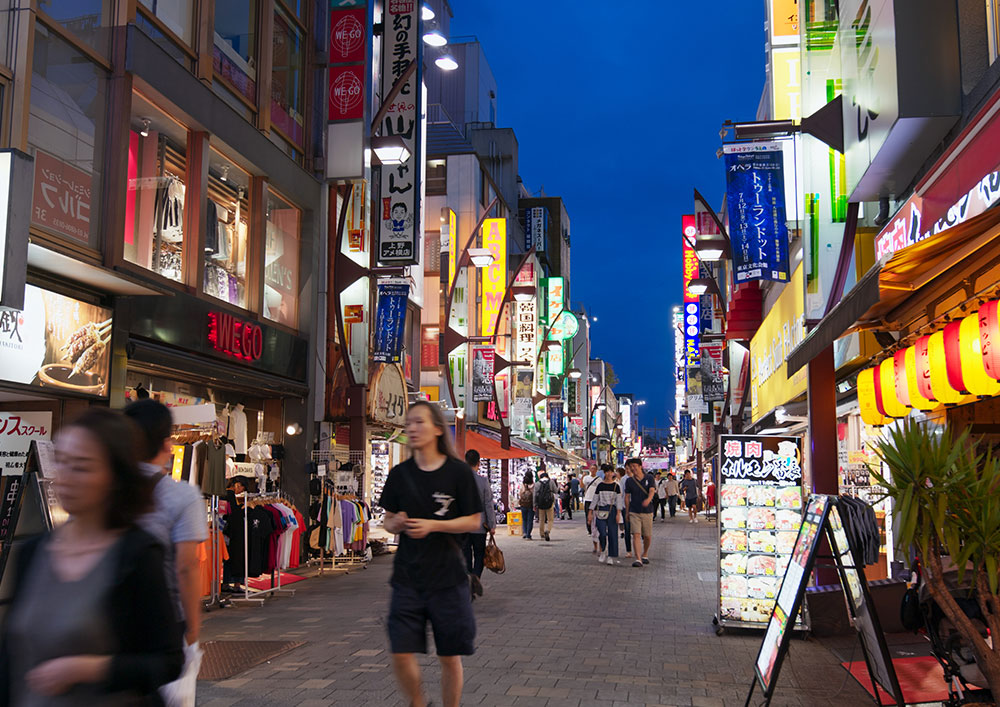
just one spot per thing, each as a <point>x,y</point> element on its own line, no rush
<point>235,337</point>
<point>554,287</point>
<point>565,327</point>
<point>525,325</point>
<point>452,248</point>
<point>495,276</point>
<point>690,258</point>
<point>781,331</point>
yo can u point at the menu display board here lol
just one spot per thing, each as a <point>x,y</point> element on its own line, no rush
<point>760,509</point>
<point>792,588</point>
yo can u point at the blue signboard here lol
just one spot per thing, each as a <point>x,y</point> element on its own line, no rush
<point>555,418</point>
<point>685,425</point>
<point>390,319</point>
<point>755,196</point>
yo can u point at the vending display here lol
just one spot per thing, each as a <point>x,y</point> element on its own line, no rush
<point>760,511</point>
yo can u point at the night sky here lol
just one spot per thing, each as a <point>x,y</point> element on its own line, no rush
<point>617,109</point>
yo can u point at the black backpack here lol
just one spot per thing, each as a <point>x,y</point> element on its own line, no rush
<point>545,500</point>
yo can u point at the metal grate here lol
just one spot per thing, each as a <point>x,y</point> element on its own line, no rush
<point>224,659</point>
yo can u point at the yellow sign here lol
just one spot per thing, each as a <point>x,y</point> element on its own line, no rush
<point>786,83</point>
<point>495,276</point>
<point>452,247</point>
<point>781,331</point>
<point>784,21</point>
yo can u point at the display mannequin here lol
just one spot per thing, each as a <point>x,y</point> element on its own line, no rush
<point>238,428</point>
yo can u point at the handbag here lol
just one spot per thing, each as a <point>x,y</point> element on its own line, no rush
<point>602,514</point>
<point>493,557</point>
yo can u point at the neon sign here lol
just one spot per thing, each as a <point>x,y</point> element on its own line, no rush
<point>235,337</point>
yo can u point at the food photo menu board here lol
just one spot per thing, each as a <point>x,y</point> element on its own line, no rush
<point>760,510</point>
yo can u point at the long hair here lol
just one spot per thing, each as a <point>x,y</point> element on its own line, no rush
<point>444,442</point>
<point>121,440</point>
<point>529,478</point>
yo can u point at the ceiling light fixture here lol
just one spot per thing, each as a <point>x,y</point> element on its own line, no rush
<point>446,62</point>
<point>481,257</point>
<point>390,150</point>
<point>225,173</point>
<point>426,13</point>
<point>145,127</point>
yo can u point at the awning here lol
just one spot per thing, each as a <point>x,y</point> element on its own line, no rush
<point>883,289</point>
<point>490,449</point>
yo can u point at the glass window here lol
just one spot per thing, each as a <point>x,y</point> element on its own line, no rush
<point>287,102</point>
<point>281,261</point>
<point>88,20</point>
<point>235,53</point>
<point>437,177</point>
<point>177,15</point>
<point>65,134</point>
<point>165,42</point>
<point>154,202</point>
<point>227,224</point>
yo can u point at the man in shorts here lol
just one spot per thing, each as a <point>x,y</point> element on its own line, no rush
<point>640,490</point>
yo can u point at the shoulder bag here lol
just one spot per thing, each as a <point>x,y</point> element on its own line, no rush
<point>493,557</point>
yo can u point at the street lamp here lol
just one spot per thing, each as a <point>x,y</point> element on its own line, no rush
<point>553,345</point>
<point>481,257</point>
<point>601,406</point>
<point>446,62</point>
<point>435,39</point>
<point>575,373</point>
<point>701,285</point>
<point>426,13</point>
<point>710,247</point>
<point>390,149</point>
<point>523,293</point>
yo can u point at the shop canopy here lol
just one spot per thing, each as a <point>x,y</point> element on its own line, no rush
<point>491,449</point>
<point>880,295</point>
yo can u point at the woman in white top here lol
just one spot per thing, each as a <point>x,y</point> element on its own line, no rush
<point>606,508</point>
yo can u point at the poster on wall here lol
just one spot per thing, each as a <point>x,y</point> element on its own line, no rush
<point>56,342</point>
<point>390,318</point>
<point>399,224</point>
<point>755,197</point>
<point>712,382</point>
<point>760,510</point>
<point>62,198</point>
<point>482,374</point>
<point>17,431</point>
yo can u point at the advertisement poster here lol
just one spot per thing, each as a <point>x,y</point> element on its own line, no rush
<point>400,194</point>
<point>760,511</point>
<point>62,198</point>
<point>17,430</point>
<point>56,342</point>
<point>495,276</point>
<point>712,383</point>
<point>755,197</point>
<point>347,92</point>
<point>555,418</point>
<point>390,319</point>
<point>482,374</point>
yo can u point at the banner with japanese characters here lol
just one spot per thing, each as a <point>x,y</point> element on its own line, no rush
<point>390,320</point>
<point>17,430</point>
<point>483,358</point>
<point>712,382</point>
<point>755,197</point>
<point>399,224</point>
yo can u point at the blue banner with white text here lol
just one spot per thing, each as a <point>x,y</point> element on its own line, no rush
<point>390,320</point>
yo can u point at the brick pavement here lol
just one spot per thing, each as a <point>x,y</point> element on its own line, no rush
<point>556,630</point>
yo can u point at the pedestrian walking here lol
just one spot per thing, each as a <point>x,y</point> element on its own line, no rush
<point>660,502</point>
<point>91,621</point>
<point>574,488</point>
<point>429,499</point>
<point>475,542</point>
<point>526,502</point>
<point>690,489</point>
<point>673,493</point>
<point>622,477</point>
<point>588,501</point>
<point>545,499</point>
<point>585,483</point>
<point>565,497</point>
<point>606,509</point>
<point>640,489</point>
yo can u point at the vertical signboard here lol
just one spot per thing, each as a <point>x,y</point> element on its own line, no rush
<point>390,319</point>
<point>399,224</point>
<point>692,306</point>
<point>452,247</point>
<point>554,298</point>
<point>712,383</point>
<point>525,325</point>
<point>760,510</point>
<point>755,196</point>
<point>535,228</point>
<point>495,276</point>
<point>483,358</point>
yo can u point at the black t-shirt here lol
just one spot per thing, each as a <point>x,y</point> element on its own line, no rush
<point>638,492</point>
<point>690,489</point>
<point>449,492</point>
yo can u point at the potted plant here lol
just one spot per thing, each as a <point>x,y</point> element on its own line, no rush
<point>947,501</point>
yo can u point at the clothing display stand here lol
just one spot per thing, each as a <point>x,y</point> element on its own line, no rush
<point>257,595</point>
<point>215,598</point>
<point>351,558</point>
<point>334,484</point>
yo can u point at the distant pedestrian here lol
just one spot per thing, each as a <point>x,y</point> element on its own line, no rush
<point>640,490</point>
<point>710,497</point>
<point>622,478</point>
<point>475,542</point>
<point>585,484</point>
<point>545,500</point>
<point>429,499</point>
<point>526,502</point>
<point>90,620</point>
<point>673,493</point>
<point>588,501</point>
<point>606,509</point>
<point>660,502</point>
<point>690,489</point>
<point>574,489</point>
<point>565,499</point>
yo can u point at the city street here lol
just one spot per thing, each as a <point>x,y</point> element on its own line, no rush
<point>556,630</point>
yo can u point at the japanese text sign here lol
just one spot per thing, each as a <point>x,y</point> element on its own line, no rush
<point>483,358</point>
<point>494,276</point>
<point>390,318</point>
<point>62,200</point>
<point>17,430</point>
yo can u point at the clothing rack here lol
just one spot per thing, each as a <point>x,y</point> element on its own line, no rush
<point>257,595</point>
<point>351,558</point>
<point>215,598</point>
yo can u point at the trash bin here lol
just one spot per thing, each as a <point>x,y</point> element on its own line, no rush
<point>514,522</point>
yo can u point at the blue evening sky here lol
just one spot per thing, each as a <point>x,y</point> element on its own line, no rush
<point>617,109</point>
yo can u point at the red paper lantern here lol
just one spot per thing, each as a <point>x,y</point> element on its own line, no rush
<point>899,377</point>
<point>868,398</point>
<point>923,367</point>
<point>953,356</point>
<point>989,337</point>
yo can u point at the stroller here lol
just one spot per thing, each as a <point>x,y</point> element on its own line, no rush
<point>966,682</point>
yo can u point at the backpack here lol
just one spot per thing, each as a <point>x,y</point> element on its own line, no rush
<point>545,498</point>
<point>524,499</point>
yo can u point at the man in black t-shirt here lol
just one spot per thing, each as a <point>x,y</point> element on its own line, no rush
<point>640,489</point>
<point>430,501</point>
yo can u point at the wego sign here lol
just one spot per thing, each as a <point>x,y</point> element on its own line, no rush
<point>235,337</point>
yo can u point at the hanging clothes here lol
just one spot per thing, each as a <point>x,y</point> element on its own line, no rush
<point>170,210</point>
<point>238,429</point>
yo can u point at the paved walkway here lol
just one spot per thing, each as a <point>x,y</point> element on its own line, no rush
<point>556,630</point>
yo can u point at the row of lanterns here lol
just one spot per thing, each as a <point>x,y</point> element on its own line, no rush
<point>952,366</point>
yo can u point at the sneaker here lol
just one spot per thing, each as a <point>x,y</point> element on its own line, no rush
<point>690,521</point>
<point>602,557</point>
<point>637,564</point>
<point>477,586</point>
<point>695,520</point>
<point>645,561</point>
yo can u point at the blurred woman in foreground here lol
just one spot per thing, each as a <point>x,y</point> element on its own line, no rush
<point>91,622</point>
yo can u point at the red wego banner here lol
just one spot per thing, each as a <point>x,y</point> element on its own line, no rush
<point>348,54</point>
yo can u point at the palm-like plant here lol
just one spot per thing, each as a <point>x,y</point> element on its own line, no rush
<point>947,500</point>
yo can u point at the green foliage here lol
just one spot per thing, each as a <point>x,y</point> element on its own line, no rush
<point>946,495</point>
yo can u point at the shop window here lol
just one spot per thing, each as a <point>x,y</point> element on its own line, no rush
<point>88,20</point>
<point>154,203</point>
<point>163,40</point>
<point>281,261</point>
<point>437,177</point>
<point>66,137</point>
<point>287,101</point>
<point>235,53</point>
<point>176,15</point>
<point>226,227</point>
<point>429,348</point>
<point>296,8</point>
